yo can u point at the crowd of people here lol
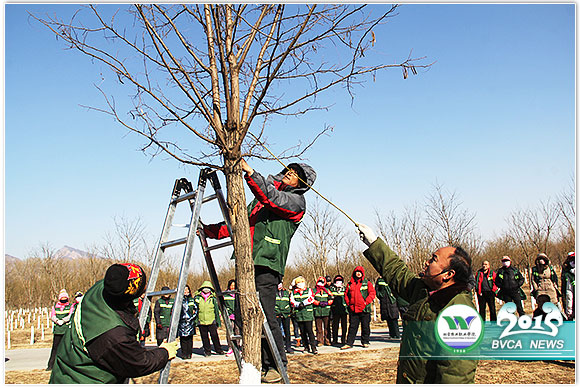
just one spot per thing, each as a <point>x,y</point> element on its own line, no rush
<point>105,342</point>
<point>505,284</point>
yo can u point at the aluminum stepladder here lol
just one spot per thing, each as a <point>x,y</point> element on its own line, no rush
<point>196,199</point>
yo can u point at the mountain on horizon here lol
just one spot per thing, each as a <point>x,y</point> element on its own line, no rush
<point>67,252</point>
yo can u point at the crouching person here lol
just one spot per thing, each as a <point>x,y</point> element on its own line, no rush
<point>102,344</point>
<point>442,283</point>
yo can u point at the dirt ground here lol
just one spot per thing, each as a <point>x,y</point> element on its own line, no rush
<point>354,367</point>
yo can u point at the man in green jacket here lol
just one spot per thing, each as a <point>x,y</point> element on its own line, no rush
<point>442,283</point>
<point>274,215</point>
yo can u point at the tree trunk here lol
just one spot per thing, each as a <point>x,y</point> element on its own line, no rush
<point>252,317</point>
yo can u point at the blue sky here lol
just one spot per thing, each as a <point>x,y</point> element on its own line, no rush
<point>492,119</point>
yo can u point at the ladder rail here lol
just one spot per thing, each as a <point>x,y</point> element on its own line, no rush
<point>184,271</point>
<point>273,346</point>
<point>220,298</point>
<point>195,199</point>
<point>159,251</point>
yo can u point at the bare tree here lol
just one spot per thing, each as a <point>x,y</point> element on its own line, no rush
<point>452,224</point>
<point>212,72</point>
<point>408,235</point>
<point>322,234</point>
<point>566,204</point>
<point>127,243</point>
<point>533,229</point>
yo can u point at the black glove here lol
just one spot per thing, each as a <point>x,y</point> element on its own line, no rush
<point>300,305</point>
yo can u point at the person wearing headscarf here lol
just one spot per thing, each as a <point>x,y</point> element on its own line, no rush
<point>102,345</point>
<point>60,316</point>
<point>322,302</point>
<point>208,318</point>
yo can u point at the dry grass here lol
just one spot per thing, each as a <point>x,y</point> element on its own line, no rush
<point>354,367</point>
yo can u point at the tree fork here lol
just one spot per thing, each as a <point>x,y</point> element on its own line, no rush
<point>251,315</point>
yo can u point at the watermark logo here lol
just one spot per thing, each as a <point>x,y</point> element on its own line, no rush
<point>531,333</point>
<point>545,324</point>
<point>459,328</point>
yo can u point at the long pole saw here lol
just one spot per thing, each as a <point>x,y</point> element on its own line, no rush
<point>306,183</point>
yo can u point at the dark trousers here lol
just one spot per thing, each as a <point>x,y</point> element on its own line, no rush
<point>336,321</point>
<point>364,319</point>
<point>55,341</point>
<point>162,334</point>
<point>514,296</point>
<point>295,326</point>
<point>488,298</point>
<point>186,343</point>
<point>267,285</point>
<point>393,328</point>
<point>205,331</point>
<point>322,326</point>
<point>307,335</point>
<point>284,322</point>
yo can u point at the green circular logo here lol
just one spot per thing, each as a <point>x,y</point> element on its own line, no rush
<point>459,328</point>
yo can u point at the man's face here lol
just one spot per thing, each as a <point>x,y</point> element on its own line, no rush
<point>291,178</point>
<point>485,266</point>
<point>434,277</point>
<point>358,274</point>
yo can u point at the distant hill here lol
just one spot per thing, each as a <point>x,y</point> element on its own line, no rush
<point>67,252</point>
<point>10,259</point>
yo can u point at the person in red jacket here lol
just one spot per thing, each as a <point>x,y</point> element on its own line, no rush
<point>486,290</point>
<point>358,296</point>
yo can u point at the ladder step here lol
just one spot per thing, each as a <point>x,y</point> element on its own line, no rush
<point>210,198</point>
<point>161,293</point>
<point>218,246</point>
<point>236,337</point>
<point>185,197</point>
<point>174,243</point>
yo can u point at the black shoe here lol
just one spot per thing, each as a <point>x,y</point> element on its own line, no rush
<point>207,354</point>
<point>314,351</point>
<point>290,351</point>
<point>48,368</point>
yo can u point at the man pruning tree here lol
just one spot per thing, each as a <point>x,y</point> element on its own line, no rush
<point>442,283</point>
<point>274,215</point>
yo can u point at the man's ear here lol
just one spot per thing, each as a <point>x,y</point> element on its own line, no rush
<point>448,275</point>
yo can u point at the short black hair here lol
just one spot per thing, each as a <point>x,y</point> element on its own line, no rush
<point>460,262</point>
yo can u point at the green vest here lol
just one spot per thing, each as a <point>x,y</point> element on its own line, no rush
<point>271,241</point>
<point>383,290</point>
<point>320,311</point>
<point>307,313</point>
<point>60,330</point>
<point>364,291</point>
<point>339,306</point>
<point>283,307</point>
<point>207,310</point>
<point>165,311</point>
<point>230,301</point>
<point>92,318</point>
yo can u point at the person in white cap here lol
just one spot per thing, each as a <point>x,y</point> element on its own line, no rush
<point>509,281</point>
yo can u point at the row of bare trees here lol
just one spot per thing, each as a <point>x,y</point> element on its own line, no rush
<point>441,219</point>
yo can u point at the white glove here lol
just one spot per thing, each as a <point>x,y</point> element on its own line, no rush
<point>366,234</point>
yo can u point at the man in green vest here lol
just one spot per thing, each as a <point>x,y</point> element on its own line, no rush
<point>338,310</point>
<point>162,313</point>
<point>443,283</point>
<point>274,215</point>
<point>102,346</point>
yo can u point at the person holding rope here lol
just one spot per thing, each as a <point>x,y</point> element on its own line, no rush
<point>442,283</point>
<point>274,215</point>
